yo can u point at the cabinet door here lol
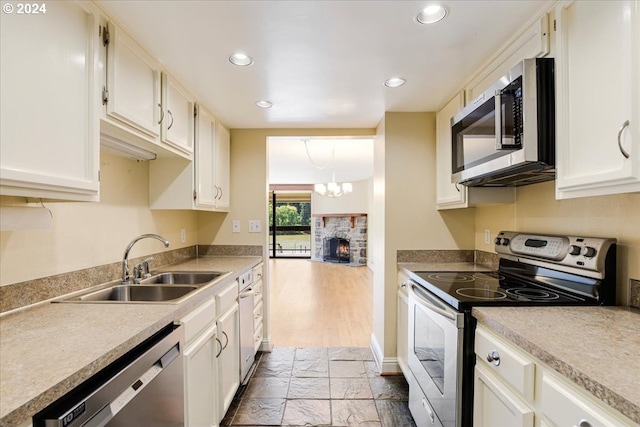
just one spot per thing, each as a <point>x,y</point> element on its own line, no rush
<point>494,405</point>
<point>449,195</point>
<point>598,98</point>
<point>200,386</point>
<point>229,359</point>
<point>222,167</point>
<point>178,121</point>
<point>133,83</point>
<point>49,115</point>
<point>205,191</point>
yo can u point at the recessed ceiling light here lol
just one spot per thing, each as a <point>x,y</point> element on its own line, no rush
<point>264,104</point>
<point>241,59</point>
<point>431,14</point>
<point>394,82</point>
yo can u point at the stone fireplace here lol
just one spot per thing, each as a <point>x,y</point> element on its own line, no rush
<point>340,238</point>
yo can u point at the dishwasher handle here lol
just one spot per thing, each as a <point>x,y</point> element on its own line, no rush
<point>111,410</point>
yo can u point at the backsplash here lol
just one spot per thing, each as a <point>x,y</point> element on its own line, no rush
<point>21,294</point>
<point>444,256</point>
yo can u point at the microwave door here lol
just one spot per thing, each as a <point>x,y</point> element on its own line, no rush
<point>509,116</point>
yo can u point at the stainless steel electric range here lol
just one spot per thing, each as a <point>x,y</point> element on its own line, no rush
<point>534,269</point>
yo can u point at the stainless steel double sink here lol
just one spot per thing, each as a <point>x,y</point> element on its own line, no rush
<point>169,287</point>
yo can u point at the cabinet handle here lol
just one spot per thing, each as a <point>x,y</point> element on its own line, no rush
<point>161,114</point>
<point>622,150</point>
<point>429,410</point>
<point>457,188</point>
<point>583,423</point>
<point>494,357</point>
<point>171,115</point>
<point>220,196</point>
<point>227,338</point>
<point>219,351</point>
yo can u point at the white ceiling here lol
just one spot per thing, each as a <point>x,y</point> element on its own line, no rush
<point>291,161</point>
<point>322,63</point>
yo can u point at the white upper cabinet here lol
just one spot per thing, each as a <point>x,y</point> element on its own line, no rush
<point>598,98</point>
<point>222,167</point>
<point>177,115</point>
<point>132,93</point>
<point>202,184</point>
<point>49,131</point>
<point>205,190</point>
<point>449,195</point>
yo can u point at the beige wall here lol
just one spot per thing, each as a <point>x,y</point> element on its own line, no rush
<point>356,202</point>
<point>404,214</point>
<point>85,235</point>
<point>536,210</point>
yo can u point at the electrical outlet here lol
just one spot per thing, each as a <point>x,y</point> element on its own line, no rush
<point>183,235</point>
<point>254,226</point>
<point>235,226</point>
<point>487,236</point>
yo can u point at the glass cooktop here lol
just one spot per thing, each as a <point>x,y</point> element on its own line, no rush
<point>466,289</point>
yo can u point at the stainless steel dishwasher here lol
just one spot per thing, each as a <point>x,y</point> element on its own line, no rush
<point>143,387</point>
<point>247,348</point>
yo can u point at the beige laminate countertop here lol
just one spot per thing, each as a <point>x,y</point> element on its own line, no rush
<point>598,348</point>
<point>47,350</point>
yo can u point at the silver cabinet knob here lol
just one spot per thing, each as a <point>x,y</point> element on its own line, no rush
<point>583,423</point>
<point>494,357</point>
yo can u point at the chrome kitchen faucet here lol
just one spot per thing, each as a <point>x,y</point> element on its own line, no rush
<point>126,278</point>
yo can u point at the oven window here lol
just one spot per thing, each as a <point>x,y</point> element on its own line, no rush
<point>429,347</point>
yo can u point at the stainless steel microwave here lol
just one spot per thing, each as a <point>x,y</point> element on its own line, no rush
<point>506,136</point>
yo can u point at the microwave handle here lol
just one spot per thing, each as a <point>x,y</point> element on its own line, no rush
<point>498,114</point>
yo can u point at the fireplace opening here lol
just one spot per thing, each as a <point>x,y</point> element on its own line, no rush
<point>336,249</point>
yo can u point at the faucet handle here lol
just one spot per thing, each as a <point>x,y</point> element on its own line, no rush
<point>137,273</point>
<point>145,266</point>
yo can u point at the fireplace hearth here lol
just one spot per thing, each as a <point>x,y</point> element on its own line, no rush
<point>336,249</point>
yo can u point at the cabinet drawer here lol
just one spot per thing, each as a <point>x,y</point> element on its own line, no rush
<point>513,367</point>
<point>566,405</point>
<point>257,314</point>
<point>257,293</point>
<point>197,320</point>
<point>257,337</point>
<point>227,297</point>
<point>258,271</point>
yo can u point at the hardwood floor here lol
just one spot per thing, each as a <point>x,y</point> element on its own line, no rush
<point>315,304</point>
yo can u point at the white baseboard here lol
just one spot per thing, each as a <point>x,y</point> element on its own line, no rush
<point>266,345</point>
<point>386,365</point>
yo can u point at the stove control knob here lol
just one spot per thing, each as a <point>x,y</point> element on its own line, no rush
<point>588,251</point>
<point>574,250</point>
<point>497,241</point>
<point>505,241</point>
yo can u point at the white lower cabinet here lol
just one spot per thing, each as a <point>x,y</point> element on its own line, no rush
<point>201,366</point>
<point>512,388</point>
<point>494,405</point>
<point>229,356</point>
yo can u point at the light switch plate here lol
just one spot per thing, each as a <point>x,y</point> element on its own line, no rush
<point>487,236</point>
<point>183,235</point>
<point>254,226</point>
<point>235,226</point>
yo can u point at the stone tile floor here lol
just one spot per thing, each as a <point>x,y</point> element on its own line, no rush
<point>320,387</point>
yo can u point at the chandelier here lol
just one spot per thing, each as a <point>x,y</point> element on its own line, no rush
<point>333,189</point>
<point>330,189</point>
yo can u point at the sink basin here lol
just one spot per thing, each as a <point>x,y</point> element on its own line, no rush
<point>140,293</point>
<point>183,278</point>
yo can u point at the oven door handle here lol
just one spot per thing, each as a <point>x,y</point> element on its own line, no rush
<point>428,301</point>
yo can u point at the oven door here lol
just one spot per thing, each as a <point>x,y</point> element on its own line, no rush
<point>434,359</point>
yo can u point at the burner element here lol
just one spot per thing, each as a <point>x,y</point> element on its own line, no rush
<point>456,277</point>
<point>532,294</point>
<point>485,294</point>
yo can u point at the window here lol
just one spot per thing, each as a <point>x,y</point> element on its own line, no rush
<point>290,225</point>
